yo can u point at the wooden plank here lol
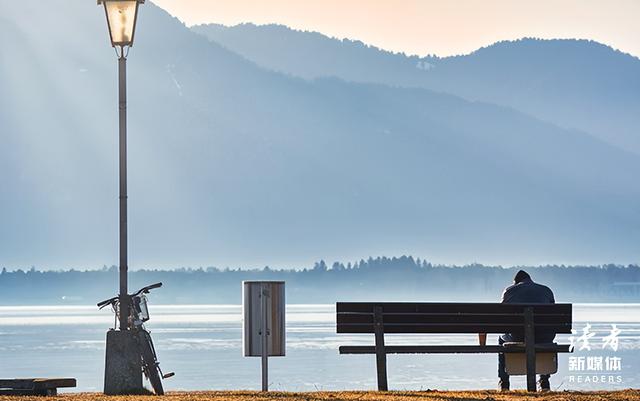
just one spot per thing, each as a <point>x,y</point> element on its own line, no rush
<point>449,307</point>
<point>457,319</point>
<point>445,328</point>
<point>450,349</point>
<point>381,355</point>
<point>36,383</point>
<point>450,317</point>
<point>55,382</point>
<point>16,384</point>
<point>513,318</point>
<point>460,318</point>
<point>529,343</point>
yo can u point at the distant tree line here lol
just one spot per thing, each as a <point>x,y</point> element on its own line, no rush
<point>386,279</point>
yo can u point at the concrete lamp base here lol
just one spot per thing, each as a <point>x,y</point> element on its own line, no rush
<point>123,365</point>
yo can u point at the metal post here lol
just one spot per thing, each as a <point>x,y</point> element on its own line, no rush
<point>122,94</point>
<point>530,348</point>
<point>264,294</point>
<point>381,353</point>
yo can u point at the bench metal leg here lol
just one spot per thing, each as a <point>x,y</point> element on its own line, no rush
<point>530,348</point>
<point>47,392</point>
<point>381,354</point>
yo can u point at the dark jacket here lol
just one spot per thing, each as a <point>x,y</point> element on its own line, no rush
<point>528,292</point>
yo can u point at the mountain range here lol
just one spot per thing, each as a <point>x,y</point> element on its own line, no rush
<point>236,160</point>
<point>576,84</point>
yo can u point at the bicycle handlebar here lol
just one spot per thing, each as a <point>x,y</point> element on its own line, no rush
<point>147,289</point>
<point>107,302</point>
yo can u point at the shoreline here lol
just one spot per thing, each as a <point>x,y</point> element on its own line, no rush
<point>429,395</point>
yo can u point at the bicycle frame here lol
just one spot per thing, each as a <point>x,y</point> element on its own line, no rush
<point>138,315</point>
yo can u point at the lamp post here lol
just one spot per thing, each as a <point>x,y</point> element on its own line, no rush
<point>122,16</point>
<point>123,368</point>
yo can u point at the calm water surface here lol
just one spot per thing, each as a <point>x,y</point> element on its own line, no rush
<point>202,344</point>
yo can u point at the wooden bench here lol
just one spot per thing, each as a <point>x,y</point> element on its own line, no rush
<point>34,386</point>
<point>413,318</point>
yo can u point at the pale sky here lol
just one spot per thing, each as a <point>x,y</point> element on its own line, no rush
<point>442,27</point>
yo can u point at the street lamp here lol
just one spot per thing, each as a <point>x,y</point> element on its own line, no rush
<point>123,369</point>
<point>122,16</point>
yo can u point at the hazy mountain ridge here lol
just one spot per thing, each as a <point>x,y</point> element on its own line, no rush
<point>576,84</point>
<point>232,164</point>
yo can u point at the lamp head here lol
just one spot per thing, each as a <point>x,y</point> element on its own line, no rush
<point>122,16</point>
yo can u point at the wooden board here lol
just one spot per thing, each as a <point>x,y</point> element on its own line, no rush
<point>358,317</point>
<point>37,386</point>
<point>450,349</point>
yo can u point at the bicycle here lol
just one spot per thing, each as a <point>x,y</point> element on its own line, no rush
<point>138,315</point>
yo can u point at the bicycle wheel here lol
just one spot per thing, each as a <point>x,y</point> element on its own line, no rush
<point>149,362</point>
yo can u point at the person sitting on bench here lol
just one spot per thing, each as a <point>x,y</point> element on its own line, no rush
<point>525,291</point>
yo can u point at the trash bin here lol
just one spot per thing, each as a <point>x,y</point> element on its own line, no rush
<point>273,292</point>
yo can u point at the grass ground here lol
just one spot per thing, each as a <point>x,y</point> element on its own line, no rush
<point>626,395</point>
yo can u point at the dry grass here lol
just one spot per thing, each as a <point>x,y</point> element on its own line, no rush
<point>626,395</point>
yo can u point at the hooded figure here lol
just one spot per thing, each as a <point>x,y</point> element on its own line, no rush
<point>525,291</point>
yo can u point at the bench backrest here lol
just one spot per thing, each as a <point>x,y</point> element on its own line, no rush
<point>358,317</point>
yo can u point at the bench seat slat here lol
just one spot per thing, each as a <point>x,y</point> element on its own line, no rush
<point>37,383</point>
<point>450,318</point>
<point>357,317</point>
<point>422,328</point>
<point>511,314</point>
<point>450,307</point>
<point>449,349</point>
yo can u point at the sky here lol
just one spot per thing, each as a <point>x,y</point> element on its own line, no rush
<point>422,27</point>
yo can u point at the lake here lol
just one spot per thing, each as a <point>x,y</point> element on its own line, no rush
<point>202,344</point>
